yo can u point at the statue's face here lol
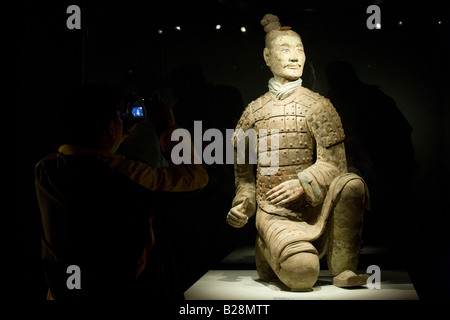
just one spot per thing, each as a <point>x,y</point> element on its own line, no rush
<point>285,57</point>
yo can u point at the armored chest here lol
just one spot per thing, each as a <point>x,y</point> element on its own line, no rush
<point>284,139</point>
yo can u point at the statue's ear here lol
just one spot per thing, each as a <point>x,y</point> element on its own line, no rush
<point>266,54</point>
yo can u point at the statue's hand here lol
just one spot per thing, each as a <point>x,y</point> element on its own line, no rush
<point>236,218</point>
<point>285,192</point>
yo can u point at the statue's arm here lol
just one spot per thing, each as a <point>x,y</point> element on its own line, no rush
<point>245,187</point>
<point>325,125</point>
<point>244,172</point>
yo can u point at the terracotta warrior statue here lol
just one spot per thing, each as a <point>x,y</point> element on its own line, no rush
<point>311,206</point>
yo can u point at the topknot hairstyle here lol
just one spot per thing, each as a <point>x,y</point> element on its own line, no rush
<point>271,25</point>
<point>270,22</point>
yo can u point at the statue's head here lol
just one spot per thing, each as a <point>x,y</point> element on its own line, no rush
<point>283,53</point>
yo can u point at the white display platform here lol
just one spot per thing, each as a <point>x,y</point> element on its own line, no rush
<point>245,285</point>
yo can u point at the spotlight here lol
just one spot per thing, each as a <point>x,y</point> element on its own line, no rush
<point>400,23</point>
<point>218,26</point>
<point>178,28</point>
<point>160,31</point>
<point>243,29</point>
<point>378,26</point>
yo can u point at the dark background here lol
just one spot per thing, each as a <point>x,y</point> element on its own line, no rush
<point>119,44</point>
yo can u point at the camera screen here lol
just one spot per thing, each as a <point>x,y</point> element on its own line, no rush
<point>137,112</point>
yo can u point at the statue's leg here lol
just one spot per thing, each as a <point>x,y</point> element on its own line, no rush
<point>345,226</point>
<point>265,271</point>
<point>279,249</point>
<point>297,266</point>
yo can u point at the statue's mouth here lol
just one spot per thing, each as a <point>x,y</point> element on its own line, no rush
<point>293,66</point>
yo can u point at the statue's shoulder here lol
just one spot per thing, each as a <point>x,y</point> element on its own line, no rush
<point>323,119</point>
<point>260,102</point>
<point>312,99</point>
<point>316,103</point>
<point>251,112</point>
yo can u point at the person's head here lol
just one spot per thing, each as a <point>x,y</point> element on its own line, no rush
<point>283,53</point>
<point>90,117</point>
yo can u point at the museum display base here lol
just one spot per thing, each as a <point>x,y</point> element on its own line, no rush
<point>244,284</point>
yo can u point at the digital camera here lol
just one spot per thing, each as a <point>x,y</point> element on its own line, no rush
<point>135,112</point>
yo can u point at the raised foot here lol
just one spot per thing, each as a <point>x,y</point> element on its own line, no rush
<point>348,278</point>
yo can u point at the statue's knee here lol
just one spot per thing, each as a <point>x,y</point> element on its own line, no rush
<point>300,271</point>
<point>355,188</point>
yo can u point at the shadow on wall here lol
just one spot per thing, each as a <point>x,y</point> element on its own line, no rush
<point>379,148</point>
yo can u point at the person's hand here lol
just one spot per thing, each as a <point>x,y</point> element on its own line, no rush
<point>285,192</point>
<point>236,217</point>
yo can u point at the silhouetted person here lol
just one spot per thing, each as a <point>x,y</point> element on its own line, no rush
<point>98,208</point>
<point>378,145</point>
